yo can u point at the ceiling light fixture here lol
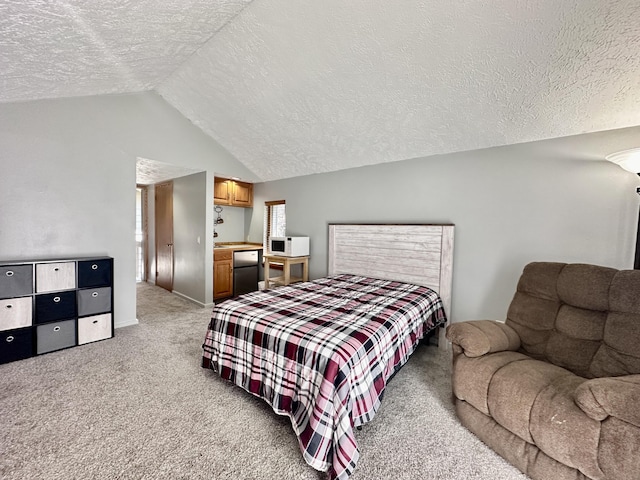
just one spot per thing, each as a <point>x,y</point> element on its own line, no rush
<point>627,159</point>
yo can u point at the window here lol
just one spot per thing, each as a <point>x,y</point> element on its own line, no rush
<point>141,237</point>
<point>275,223</point>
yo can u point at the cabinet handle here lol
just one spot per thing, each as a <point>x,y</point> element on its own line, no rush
<point>10,339</point>
<point>56,329</point>
<point>56,299</point>
<point>56,269</point>
<point>9,274</point>
<point>94,294</point>
<point>9,306</point>
<point>95,321</point>
<point>94,267</point>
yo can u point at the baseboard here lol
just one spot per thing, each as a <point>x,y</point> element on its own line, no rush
<point>192,300</point>
<point>126,323</point>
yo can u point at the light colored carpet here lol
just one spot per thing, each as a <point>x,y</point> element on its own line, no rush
<point>139,406</point>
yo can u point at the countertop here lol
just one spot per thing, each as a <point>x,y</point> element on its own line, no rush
<point>237,246</point>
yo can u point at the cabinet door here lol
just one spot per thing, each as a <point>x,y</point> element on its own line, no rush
<point>222,191</point>
<point>242,194</point>
<point>222,279</point>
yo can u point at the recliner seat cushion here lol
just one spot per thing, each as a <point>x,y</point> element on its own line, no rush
<point>533,400</point>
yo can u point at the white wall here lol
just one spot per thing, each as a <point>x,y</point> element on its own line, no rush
<point>233,228</point>
<point>67,186</point>
<point>511,205</point>
<point>189,236</point>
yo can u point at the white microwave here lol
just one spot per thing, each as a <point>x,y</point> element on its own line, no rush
<point>289,246</point>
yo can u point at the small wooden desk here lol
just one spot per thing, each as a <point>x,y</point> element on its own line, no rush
<point>285,278</point>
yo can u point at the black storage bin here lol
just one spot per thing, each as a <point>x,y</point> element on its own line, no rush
<point>55,306</point>
<point>16,344</point>
<point>94,273</point>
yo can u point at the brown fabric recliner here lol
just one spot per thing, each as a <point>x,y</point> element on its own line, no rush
<point>555,389</point>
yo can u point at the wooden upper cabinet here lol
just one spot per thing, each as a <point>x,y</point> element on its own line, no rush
<point>233,193</point>
<point>242,194</point>
<point>222,191</point>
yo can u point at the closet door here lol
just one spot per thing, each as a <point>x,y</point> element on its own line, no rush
<point>164,235</point>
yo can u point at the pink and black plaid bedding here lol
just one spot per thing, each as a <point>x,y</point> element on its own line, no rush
<point>321,352</point>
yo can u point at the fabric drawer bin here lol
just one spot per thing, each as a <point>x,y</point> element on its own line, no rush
<point>16,345</point>
<point>55,306</point>
<point>55,276</point>
<point>55,336</point>
<point>91,329</point>
<point>16,280</point>
<point>94,273</point>
<point>15,313</point>
<point>94,300</point>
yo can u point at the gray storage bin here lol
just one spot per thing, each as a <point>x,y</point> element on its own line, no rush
<point>55,336</point>
<point>16,280</point>
<point>94,300</point>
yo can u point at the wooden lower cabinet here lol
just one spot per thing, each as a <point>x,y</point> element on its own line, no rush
<point>222,274</point>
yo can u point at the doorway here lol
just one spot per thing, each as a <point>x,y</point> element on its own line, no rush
<point>164,235</point>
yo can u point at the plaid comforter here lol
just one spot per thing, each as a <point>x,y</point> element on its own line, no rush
<point>321,352</point>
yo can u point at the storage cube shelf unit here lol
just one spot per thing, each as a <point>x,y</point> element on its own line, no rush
<point>54,304</point>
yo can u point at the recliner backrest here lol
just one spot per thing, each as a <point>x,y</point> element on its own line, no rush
<point>585,318</point>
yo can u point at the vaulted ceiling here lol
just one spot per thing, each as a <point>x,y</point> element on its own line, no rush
<point>298,87</point>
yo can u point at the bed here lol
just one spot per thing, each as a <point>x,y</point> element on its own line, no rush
<point>322,352</point>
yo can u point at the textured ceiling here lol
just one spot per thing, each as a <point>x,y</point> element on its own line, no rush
<point>149,172</point>
<point>57,48</point>
<point>293,88</point>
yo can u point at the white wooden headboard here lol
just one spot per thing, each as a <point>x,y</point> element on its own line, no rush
<point>420,254</point>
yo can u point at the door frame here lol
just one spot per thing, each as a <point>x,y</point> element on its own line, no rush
<point>169,285</point>
<point>144,201</point>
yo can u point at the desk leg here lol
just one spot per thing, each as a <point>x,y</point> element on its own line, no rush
<point>286,270</point>
<point>305,270</point>
<point>266,273</point>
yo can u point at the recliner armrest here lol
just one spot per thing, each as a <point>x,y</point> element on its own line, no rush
<point>610,396</point>
<point>479,337</point>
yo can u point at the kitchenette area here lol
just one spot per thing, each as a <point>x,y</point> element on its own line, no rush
<point>237,268</point>
<point>237,264</point>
